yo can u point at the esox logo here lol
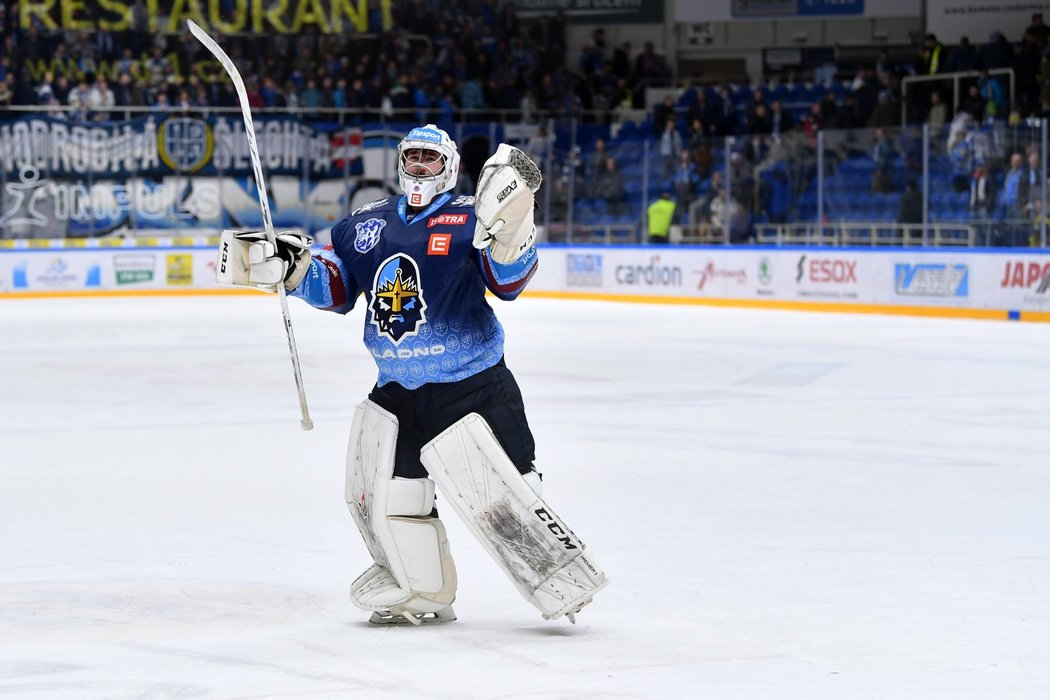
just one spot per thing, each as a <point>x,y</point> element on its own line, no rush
<point>447,220</point>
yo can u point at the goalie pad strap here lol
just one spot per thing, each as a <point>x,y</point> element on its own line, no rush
<point>547,563</point>
<point>410,497</point>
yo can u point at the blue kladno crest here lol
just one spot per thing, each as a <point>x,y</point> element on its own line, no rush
<point>368,234</point>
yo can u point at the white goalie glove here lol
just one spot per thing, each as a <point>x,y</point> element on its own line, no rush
<point>247,259</point>
<point>504,204</point>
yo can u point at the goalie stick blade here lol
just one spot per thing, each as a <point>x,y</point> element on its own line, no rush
<point>264,202</point>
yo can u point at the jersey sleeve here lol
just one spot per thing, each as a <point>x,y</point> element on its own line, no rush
<point>326,284</point>
<point>508,281</point>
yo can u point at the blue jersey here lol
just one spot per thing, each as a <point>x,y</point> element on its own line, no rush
<point>424,282</point>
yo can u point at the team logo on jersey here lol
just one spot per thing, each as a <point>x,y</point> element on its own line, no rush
<point>368,234</point>
<point>398,309</point>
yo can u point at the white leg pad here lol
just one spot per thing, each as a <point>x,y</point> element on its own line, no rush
<point>413,572</point>
<point>547,563</point>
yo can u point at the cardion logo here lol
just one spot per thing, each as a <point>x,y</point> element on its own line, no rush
<point>654,274</point>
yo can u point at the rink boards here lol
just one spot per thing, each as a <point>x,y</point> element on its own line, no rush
<point>985,283</point>
<point>1001,284</point>
<point>42,268</point>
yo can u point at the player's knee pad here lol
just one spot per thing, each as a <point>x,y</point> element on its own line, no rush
<point>547,563</point>
<point>414,571</point>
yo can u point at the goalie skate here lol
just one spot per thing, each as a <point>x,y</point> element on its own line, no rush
<point>388,617</point>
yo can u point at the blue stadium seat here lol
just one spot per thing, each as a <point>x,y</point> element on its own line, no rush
<point>632,185</point>
<point>796,93</point>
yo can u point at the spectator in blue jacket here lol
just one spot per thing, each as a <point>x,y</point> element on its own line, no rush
<point>884,155</point>
<point>686,179</point>
<point>992,95</point>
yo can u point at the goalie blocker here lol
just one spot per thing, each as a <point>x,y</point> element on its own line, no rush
<point>248,259</point>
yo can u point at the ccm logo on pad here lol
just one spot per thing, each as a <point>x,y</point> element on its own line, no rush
<point>439,243</point>
<point>447,220</point>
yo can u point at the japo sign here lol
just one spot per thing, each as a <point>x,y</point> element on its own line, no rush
<point>251,16</point>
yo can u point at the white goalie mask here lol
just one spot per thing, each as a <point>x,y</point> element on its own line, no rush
<point>427,164</point>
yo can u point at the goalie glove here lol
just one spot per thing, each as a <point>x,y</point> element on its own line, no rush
<point>247,259</point>
<point>504,204</point>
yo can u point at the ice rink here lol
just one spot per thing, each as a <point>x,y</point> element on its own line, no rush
<point>789,505</point>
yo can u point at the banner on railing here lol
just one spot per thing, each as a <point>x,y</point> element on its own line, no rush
<point>62,179</point>
<point>158,145</point>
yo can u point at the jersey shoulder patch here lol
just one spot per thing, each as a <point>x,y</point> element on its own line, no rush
<point>462,201</point>
<point>384,203</point>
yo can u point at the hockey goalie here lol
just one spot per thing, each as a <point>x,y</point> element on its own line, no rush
<point>445,416</point>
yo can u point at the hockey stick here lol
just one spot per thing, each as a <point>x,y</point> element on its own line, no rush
<point>264,202</point>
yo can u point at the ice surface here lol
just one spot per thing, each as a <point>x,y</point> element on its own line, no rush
<point>789,505</point>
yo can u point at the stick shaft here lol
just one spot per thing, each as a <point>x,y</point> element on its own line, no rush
<point>264,202</point>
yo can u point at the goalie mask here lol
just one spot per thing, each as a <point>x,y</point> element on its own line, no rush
<point>427,164</point>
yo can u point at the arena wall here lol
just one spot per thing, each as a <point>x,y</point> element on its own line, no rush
<point>984,283</point>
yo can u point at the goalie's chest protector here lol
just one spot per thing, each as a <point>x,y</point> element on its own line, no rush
<point>427,318</point>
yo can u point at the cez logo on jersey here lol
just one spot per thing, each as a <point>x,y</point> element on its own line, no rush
<point>368,234</point>
<point>397,299</point>
<point>439,244</point>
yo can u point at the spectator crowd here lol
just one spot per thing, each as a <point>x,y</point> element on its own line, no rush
<point>441,61</point>
<point>479,60</point>
<point>988,139</point>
